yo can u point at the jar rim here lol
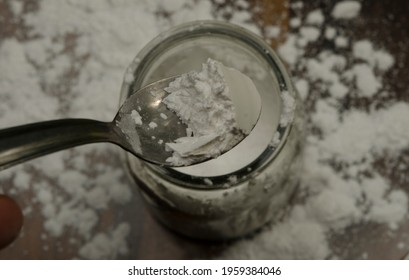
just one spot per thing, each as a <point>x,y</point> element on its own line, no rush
<point>200,28</point>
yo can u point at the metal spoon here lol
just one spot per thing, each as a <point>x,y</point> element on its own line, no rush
<point>21,143</point>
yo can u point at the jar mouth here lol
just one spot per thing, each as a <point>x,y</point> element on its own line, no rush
<point>139,68</point>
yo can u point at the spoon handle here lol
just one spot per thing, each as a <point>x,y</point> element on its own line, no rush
<point>21,143</point>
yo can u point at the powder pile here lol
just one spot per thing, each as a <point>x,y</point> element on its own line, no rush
<point>69,59</point>
<point>202,101</point>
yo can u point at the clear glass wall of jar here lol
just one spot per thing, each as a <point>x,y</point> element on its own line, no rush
<point>242,190</point>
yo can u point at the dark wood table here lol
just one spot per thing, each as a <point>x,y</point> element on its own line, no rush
<point>383,22</point>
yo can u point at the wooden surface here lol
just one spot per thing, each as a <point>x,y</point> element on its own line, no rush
<point>384,22</point>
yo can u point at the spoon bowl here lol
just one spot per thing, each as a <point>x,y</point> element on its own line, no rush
<point>159,124</point>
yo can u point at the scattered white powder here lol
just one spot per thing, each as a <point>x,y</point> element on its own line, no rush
<point>363,49</point>
<point>103,246</point>
<point>290,51</point>
<point>272,31</point>
<point>384,61</point>
<point>346,9</point>
<point>153,125</point>
<point>208,182</point>
<point>330,33</point>
<point>303,88</point>
<point>338,90</point>
<point>295,22</point>
<point>16,7</point>
<point>352,137</point>
<point>366,81</point>
<point>341,42</point>
<point>73,188</point>
<point>315,17</point>
<point>310,34</point>
<point>288,108</point>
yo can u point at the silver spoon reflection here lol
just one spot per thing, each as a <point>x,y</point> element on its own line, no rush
<point>22,143</point>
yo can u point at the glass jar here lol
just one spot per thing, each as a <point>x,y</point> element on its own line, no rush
<point>242,190</point>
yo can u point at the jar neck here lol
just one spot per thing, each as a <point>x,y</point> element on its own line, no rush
<point>191,31</point>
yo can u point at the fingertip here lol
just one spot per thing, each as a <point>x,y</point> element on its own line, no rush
<point>11,220</point>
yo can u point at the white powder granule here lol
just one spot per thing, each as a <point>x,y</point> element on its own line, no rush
<point>310,34</point>
<point>362,135</point>
<point>295,22</point>
<point>338,90</point>
<point>366,81</point>
<point>275,141</point>
<point>364,50</point>
<point>384,61</point>
<point>346,10</point>
<point>163,116</point>
<point>16,7</point>
<point>136,117</point>
<point>153,125</point>
<point>288,51</point>
<point>303,88</point>
<point>341,42</point>
<point>325,116</point>
<point>208,182</point>
<point>289,106</point>
<point>330,33</point>
<point>315,17</point>
<point>388,207</point>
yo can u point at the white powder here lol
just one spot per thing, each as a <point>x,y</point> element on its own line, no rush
<point>364,50</point>
<point>366,81</point>
<point>290,51</point>
<point>338,90</point>
<point>330,33</point>
<point>384,61</point>
<point>295,22</point>
<point>103,246</point>
<point>341,42</point>
<point>206,104</point>
<point>153,125</point>
<point>346,9</point>
<point>310,34</point>
<point>303,88</point>
<point>383,132</point>
<point>74,188</point>
<point>136,117</point>
<point>315,17</point>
